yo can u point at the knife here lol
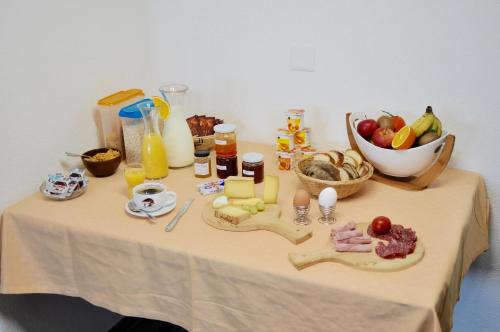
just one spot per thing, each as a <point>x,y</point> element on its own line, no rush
<point>170,226</point>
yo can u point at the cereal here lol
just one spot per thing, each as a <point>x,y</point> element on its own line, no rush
<point>132,136</point>
<point>103,156</point>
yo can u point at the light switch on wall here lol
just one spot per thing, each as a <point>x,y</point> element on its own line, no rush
<point>302,58</point>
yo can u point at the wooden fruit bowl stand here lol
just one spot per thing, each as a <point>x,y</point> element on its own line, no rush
<point>411,182</point>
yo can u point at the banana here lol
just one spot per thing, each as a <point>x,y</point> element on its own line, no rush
<point>424,123</point>
<point>437,127</point>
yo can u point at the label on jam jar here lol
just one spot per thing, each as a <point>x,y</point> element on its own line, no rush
<point>220,142</point>
<point>249,173</point>
<point>201,169</point>
<point>222,167</point>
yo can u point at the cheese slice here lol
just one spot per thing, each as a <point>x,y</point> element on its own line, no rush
<point>233,214</point>
<point>244,201</point>
<point>239,187</point>
<point>271,189</point>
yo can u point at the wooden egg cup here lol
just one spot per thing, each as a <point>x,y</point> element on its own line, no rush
<point>411,182</point>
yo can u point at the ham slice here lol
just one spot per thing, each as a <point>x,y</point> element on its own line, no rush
<point>347,239</point>
<point>347,235</point>
<point>357,240</point>
<point>343,247</point>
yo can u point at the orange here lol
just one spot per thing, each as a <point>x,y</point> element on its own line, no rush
<point>404,138</point>
<point>162,106</point>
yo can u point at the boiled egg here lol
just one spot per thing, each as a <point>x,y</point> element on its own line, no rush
<point>301,198</point>
<point>327,197</point>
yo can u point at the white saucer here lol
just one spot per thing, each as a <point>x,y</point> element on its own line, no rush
<point>164,210</point>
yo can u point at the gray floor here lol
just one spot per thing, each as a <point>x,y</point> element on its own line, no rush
<point>52,313</point>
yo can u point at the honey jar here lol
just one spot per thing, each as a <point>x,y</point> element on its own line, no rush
<point>225,139</point>
<point>253,166</point>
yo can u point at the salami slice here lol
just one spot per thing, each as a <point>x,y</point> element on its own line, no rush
<point>401,242</point>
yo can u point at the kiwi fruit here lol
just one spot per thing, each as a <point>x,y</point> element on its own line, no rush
<point>427,138</point>
<point>385,121</point>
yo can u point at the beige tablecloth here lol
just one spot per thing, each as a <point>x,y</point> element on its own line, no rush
<point>206,279</point>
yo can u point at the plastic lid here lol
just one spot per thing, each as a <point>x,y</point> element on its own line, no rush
<point>224,128</point>
<point>133,111</point>
<point>202,153</point>
<point>253,157</point>
<point>120,97</point>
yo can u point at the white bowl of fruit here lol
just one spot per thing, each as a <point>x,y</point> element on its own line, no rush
<point>397,148</point>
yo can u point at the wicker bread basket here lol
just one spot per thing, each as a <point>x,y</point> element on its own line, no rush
<point>204,142</point>
<point>343,188</point>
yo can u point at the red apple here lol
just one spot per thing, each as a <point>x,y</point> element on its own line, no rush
<point>366,128</point>
<point>382,137</point>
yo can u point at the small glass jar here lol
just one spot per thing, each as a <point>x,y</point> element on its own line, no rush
<point>225,139</point>
<point>227,165</point>
<point>253,166</point>
<point>202,164</point>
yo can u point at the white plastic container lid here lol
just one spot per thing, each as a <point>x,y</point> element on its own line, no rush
<point>224,128</point>
<point>253,157</point>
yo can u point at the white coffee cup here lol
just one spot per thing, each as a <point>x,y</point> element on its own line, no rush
<point>152,196</point>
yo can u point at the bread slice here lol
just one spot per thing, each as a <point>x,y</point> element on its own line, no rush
<point>343,175</point>
<point>337,157</point>
<point>322,157</point>
<point>351,161</point>
<point>353,173</point>
<point>363,170</point>
<point>233,214</point>
<point>354,155</point>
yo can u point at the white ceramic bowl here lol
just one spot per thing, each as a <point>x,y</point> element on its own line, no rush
<point>399,163</point>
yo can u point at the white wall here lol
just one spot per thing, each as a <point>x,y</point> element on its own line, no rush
<point>396,55</point>
<point>56,59</point>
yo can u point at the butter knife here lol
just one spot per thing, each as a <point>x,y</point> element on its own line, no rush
<point>170,226</point>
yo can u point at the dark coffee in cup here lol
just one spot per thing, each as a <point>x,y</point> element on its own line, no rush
<point>150,191</point>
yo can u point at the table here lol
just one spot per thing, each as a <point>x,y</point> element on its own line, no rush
<point>205,279</point>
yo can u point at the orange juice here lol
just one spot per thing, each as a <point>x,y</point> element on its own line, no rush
<point>134,175</point>
<point>154,157</point>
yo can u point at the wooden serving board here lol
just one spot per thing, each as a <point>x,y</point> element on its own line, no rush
<point>267,220</point>
<point>360,260</point>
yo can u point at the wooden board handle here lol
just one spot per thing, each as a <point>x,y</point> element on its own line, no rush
<point>306,259</point>
<point>295,234</point>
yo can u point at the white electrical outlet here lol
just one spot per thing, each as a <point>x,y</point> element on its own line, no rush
<point>302,58</point>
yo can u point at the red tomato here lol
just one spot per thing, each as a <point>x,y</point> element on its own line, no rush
<point>381,225</point>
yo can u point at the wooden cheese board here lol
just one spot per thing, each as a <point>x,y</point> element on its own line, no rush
<point>368,261</point>
<point>268,220</point>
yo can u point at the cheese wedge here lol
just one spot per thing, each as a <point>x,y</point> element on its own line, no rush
<point>239,187</point>
<point>233,214</point>
<point>271,189</point>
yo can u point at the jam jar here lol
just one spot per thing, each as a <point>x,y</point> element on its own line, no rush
<point>227,165</point>
<point>253,166</point>
<point>202,164</point>
<point>225,139</point>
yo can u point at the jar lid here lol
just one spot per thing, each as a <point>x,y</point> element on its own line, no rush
<point>224,128</point>
<point>202,153</point>
<point>253,157</point>
<point>132,111</point>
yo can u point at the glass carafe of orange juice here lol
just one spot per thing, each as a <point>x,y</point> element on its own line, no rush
<point>154,154</point>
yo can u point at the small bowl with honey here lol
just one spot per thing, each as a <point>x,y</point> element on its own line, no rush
<point>102,162</point>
